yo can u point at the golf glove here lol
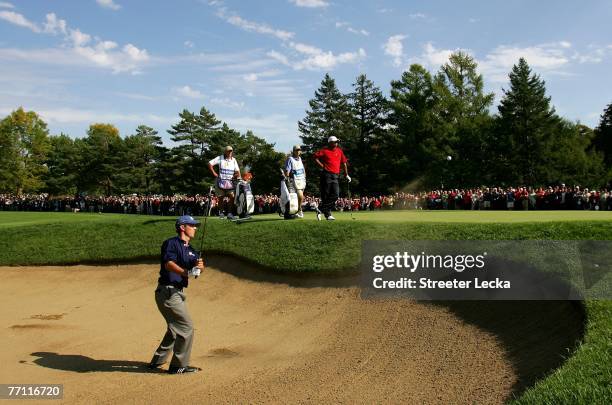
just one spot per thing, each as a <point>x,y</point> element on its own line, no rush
<point>348,178</point>
<point>193,272</point>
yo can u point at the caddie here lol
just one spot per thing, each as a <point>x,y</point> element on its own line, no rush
<point>179,261</point>
<point>295,172</point>
<point>224,180</point>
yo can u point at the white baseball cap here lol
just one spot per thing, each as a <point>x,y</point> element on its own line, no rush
<point>332,139</point>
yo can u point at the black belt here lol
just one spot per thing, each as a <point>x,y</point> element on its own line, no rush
<point>172,285</point>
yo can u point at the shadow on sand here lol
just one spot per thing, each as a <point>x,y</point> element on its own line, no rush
<point>84,364</point>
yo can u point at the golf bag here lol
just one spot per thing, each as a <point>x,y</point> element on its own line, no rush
<point>243,199</point>
<point>288,199</point>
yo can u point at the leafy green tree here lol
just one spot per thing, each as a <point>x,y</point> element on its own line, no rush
<point>526,126</point>
<point>24,144</point>
<point>63,162</point>
<point>369,110</point>
<point>141,156</point>
<point>263,160</point>
<point>570,160</point>
<point>102,151</point>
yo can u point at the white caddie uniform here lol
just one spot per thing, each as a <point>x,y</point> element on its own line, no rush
<point>295,167</point>
<point>227,168</point>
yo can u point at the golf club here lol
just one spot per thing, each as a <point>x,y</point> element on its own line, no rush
<point>348,191</point>
<point>205,220</point>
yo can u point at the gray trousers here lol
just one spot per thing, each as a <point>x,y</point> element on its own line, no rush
<point>179,336</point>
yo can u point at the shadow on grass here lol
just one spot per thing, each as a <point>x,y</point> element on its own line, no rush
<point>155,221</point>
<point>84,364</point>
<point>255,220</point>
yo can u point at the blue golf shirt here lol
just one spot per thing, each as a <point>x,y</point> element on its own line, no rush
<point>176,250</point>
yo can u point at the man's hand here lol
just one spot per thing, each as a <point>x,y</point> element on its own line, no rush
<point>348,178</point>
<point>200,264</point>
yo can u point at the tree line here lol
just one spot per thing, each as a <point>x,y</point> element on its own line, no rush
<point>437,130</point>
<point>432,131</point>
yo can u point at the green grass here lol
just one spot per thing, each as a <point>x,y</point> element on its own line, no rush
<point>330,247</point>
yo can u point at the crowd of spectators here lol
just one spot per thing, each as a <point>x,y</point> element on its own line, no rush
<point>486,198</point>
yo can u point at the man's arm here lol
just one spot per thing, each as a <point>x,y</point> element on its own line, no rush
<point>317,156</point>
<point>211,166</point>
<point>237,175</point>
<point>175,268</point>
<point>288,167</point>
<point>212,170</point>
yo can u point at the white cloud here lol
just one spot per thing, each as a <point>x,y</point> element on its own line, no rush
<point>81,49</point>
<point>79,116</point>
<point>415,16</point>
<point>315,58</point>
<point>432,57</point>
<point>138,55</point>
<point>565,44</point>
<point>110,4</point>
<point>394,48</point>
<point>255,27</point>
<point>347,26</point>
<point>310,3</point>
<point>498,63</point>
<point>79,38</point>
<point>188,44</point>
<point>279,57</point>
<point>305,49</point>
<point>53,25</point>
<point>327,60</point>
<point>593,54</point>
<point>228,103</point>
<point>18,19</point>
<point>4,4</point>
<point>187,92</point>
<point>251,77</point>
<point>362,32</point>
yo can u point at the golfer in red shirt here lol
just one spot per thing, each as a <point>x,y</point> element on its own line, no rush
<point>329,159</point>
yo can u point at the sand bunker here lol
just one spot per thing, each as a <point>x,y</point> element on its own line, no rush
<point>270,338</point>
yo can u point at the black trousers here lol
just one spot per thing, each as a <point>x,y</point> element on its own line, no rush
<point>330,190</point>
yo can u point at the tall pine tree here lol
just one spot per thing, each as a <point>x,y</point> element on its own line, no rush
<point>603,136</point>
<point>412,147</point>
<point>464,111</point>
<point>526,124</point>
<point>329,115</point>
<point>370,110</point>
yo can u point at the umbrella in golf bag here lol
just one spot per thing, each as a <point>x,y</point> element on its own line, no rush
<point>243,199</point>
<point>288,198</point>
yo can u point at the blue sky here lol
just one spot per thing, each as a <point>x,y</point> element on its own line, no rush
<point>255,64</point>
